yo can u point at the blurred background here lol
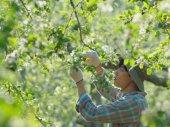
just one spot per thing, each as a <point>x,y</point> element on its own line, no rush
<point>40,39</point>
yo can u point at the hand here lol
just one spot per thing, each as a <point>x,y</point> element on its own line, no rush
<point>76,75</point>
<point>91,58</point>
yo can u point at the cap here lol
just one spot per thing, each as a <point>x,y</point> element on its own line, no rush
<point>136,75</point>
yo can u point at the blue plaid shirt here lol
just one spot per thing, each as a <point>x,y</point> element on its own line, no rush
<point>124,110</point>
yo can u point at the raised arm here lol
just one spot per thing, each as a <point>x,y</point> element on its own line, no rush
<point>124,110</point>
<point>104,87</point>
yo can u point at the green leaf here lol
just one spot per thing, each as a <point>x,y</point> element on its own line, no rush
<point>141,65</point>
<point>61,56</point>
<point>12,41</point>
<point>157,33</point>
<point>126,61</point>
<point>168,83</point>
<point>149,71</point>
<point>50,53</point>
<point>160,113</point>
<point>31,37</point>
<point>132,62</point>
<point>150,56</point>
<point>146,5</point>
<point>90,18</point>
<point>137,9</point>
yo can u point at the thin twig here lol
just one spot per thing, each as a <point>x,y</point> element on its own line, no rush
<point>28,11</point>
<point>75,12</point>
<point>166,30</point>
<point>40,120</point>
<point>72,15</point>
<point>67,25</point>
<point>54,32</point>
<point>6,50</point>
<point>23,99</point>
<point>18,92</point>
<point>68,22</point>
<point>79,3</point>
<point>79,24</point>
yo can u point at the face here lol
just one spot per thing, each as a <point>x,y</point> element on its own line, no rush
<point>122,77</point>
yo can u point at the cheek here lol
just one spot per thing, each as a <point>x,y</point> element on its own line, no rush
<point>122,78</point>
<point>116,83</point>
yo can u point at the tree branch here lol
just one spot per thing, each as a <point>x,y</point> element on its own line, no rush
<point>67,25</point>
<point>165,29</point>
<point>28,11</point>
<point>79,24</point>
<point>158,81</point>
<point>23,99</point>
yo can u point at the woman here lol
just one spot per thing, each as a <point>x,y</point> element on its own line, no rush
<point>127,103</point>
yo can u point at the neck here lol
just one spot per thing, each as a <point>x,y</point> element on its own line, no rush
<point>130,87</point>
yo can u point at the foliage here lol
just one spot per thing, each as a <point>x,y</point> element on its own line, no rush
<point>41,39</point>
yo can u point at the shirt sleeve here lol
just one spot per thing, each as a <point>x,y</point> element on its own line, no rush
<point>121,111</point>
<point>106,89</point>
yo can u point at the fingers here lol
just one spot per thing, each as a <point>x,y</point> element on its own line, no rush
<point>73,70</point>
<point>88,54</point>
<point>87,61</point>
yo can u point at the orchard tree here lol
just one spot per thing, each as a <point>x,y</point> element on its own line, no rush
<point>40,40</point>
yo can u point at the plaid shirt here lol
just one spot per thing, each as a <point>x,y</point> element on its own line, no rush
<point>124,110</point>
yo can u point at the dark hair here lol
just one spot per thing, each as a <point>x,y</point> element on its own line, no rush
<point>121,62</point>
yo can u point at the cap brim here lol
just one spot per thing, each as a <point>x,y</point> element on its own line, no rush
<point>134,73</point>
